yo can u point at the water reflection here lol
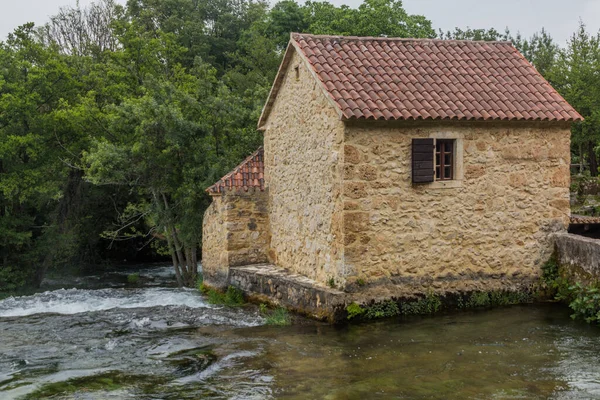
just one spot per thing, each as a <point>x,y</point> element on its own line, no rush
<point>518,352</point>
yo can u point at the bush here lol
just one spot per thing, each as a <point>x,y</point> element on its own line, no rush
<point>385,309</point>
<point>585,303</point>
<point>584,300</point>
<point>496,298</point>
<point>11,279</point>
<point>354,310</point>
<point>478,299</point>
<point>430,304</point>
<point>234,296</point>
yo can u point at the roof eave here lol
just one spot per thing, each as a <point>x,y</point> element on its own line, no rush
<point>211,189</point>
<point>292,44</point>
<point>276,85</point>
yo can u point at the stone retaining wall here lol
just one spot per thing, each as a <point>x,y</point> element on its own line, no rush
<point>270,284</point>
<point>578,257</point>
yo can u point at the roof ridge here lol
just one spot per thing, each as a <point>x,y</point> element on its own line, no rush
<point>293,35</point>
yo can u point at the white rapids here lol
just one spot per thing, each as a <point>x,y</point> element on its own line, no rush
<point>75,301</point>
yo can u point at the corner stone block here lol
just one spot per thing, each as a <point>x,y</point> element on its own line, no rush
<point>351,154</point>
<point>356,221</point>
<point>355,190</point>
<point>561,177</point>
<point>367,172</point>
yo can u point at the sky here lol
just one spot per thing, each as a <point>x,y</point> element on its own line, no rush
<point>559,17</point>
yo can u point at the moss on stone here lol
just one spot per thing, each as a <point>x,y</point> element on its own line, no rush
<point>430,304</point>
<point>191,361</point>
<point>495,298</point>
<point>384,309</point>
<point>109,381</point>
<point>433,303</point>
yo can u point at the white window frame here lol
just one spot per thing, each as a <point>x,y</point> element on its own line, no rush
<point>458,167</point>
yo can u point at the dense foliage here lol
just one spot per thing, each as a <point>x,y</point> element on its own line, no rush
<point>113,120</point>
<point>582,298</point>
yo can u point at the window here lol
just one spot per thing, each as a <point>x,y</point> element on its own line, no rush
<point>444,160</point>
<point>438,160</point>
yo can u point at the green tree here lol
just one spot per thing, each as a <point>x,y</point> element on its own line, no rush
<point>576,76</point>
<point>540,50</point>
<point>475,34</point>
<point>173,133</point>
<point>372,18</point>
<point>34,81</point>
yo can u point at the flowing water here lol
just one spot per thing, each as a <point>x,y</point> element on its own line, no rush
<point>159,342</point>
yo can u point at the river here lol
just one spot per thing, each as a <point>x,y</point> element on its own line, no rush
<point>100,340</point>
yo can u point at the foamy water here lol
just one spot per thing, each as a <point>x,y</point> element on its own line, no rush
<point>75,301</point>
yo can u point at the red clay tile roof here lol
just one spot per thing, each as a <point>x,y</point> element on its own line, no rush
<point>584,220</point>
<point>249,174</point>
<point>412,79</point>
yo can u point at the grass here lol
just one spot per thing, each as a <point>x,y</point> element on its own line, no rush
<point>277,317</point>
<point>231,297</point>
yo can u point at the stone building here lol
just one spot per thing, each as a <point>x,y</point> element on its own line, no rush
<point>393,167</point>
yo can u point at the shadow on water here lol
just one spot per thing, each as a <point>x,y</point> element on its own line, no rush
<point>166,343</point>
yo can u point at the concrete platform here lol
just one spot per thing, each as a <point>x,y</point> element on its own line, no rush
<point>268,283</point>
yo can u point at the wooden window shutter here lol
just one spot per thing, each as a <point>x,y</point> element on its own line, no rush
<point>422,161</point>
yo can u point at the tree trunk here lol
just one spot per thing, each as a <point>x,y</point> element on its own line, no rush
<point>179,252</point>
<point>174,258</point>
<point>593,161</point>
<point>184,258</point>
<point>581,158</point>
<point>195,262</point>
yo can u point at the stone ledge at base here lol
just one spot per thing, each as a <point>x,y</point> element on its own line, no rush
<point>268,283</point>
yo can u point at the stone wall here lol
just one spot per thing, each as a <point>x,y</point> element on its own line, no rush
<point>578,258</point>
<point>271,284</point>
<point>235,232</point>
<point>215,262</point>
<point>489,231</point>
<point>303,139</point>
